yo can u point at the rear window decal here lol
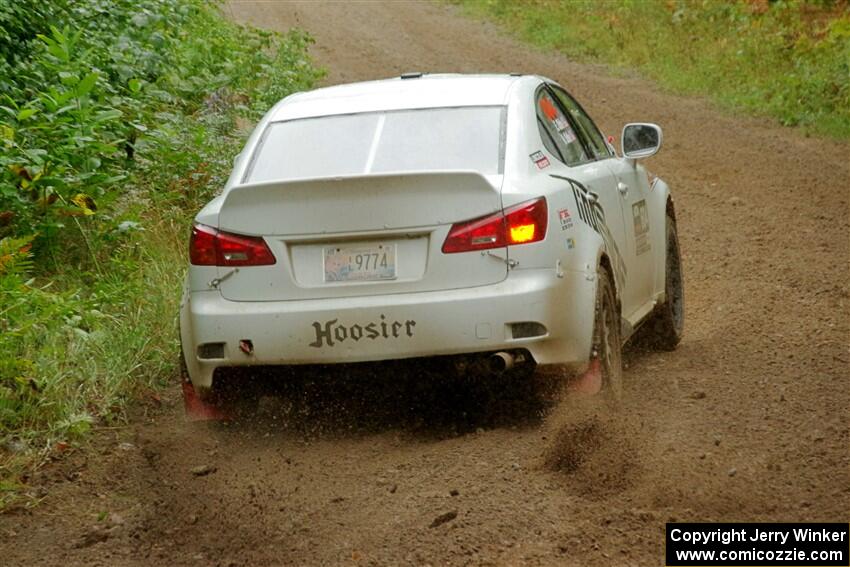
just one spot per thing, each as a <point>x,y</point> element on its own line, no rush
<point>548,108</point>
<point>568,135</point>
<point>557,119</point>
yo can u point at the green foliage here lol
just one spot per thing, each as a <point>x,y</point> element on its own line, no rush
<point>118,120</point>
<point>76,111</point>
<point>789,59</point>
<point>20,22</point>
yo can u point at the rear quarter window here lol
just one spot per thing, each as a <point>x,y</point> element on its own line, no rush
<point>591,133</point>
<point>552,119</point>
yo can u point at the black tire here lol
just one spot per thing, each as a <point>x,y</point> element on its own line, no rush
<point>607,343</point>
<point>664,330</point>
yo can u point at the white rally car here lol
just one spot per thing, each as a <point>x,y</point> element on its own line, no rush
<point>427,215</point>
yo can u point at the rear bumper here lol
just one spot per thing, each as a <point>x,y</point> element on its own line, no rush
<point>408,325</point>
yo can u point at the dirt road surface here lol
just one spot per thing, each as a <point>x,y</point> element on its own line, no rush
<point>747,421</point>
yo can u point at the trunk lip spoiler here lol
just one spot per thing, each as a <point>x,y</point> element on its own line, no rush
<point>361,176</point>
<point>238,195</point>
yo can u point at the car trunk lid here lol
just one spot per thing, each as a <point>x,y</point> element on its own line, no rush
<point>317,228</point>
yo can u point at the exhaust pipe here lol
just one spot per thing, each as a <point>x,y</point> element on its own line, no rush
<point>501,361</point>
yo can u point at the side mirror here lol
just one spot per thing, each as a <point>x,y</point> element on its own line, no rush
<point>641,140</point>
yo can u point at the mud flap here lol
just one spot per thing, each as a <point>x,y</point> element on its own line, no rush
<point>199,410</point>
<point>589,382</point>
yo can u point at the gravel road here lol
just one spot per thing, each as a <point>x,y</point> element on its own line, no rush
<point>747,421</point>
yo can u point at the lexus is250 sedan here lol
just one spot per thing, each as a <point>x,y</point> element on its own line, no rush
<point>431,215</point>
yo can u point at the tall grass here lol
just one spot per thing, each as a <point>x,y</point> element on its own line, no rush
<point>789,59</point>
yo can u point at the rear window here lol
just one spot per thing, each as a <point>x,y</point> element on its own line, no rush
<point>379,142</point>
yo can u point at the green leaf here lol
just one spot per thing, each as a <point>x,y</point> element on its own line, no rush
<point>26,113</point>
<point>107,115</point>
<point>87,84</point>
<point>57,51</point>
<point>52,182</point>
<point>93,163</point>
<point>48,102</point>
<point>63,97</point>
<point>68,78</point>
<point>35,154</point>
<point>135,85</point>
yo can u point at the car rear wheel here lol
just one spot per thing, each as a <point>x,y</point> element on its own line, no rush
<point>607,347</point>
<point>664,330</point>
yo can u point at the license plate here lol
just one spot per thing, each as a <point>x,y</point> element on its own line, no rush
<point>359,264</point>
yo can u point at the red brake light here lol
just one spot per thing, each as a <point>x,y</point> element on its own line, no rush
<point>527,221</point>
<point>520,224</point>
<point>477,234</point>
<point>211,247</point>
<point>202,246</point>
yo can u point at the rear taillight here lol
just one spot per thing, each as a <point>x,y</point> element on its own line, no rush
<point>520,224</point>
<point>526,222</point>
<point>211,247</point>
<point>202,249</point>
<point>478,234</point>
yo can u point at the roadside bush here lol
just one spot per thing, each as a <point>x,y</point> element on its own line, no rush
<point>118,119</point>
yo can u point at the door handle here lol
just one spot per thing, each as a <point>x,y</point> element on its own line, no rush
<point>622,188</point>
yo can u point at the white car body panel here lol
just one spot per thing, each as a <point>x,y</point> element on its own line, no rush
<point>299,218</point>
<point>468,320</point>
<point>439,304</point>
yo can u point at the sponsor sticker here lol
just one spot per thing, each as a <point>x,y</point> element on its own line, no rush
<point>567,134</point>
<point>561,123</point>
<point>591,213</point>
<point>571,243</point>
<point>565,218</point>
<point>539,160</point>
<point>333,332</point>
<point>548,108</point>
<point>641,220</point>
